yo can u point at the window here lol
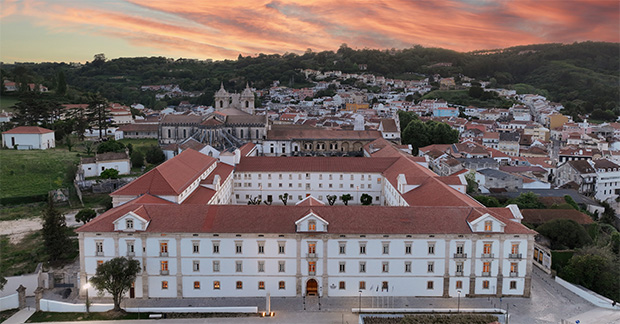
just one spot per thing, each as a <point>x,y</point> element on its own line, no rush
<point>281,247</point>
<point>130,248</point>
<point>311,225</point>
<point>486,268</point>
<point>311,248</point>
<point>459,284</point>
<point>386,248</point>
<point>429,285</point>
<point>460,248</point>
<point>99,262</point>
<point>196,265</point>
<point>239,284</point>
<point>216,285</point>
<point>362,285</point>
<point>196,247</point>
<point>129,224</point>
<point>99,248</point>
<point>311,267</point>
<point>216,247</point>
<point>408,266</point>
<point>342,285</point>
<point>407,248</point>
<point>385,266</point>
<point>261,266</point>
<point>216,266</point>
<point>514,268</point>
<point>515,248</point>
<point>261,247</point>
<point>385,286</point>
<point>485,284</point>
<point>488,226</point>
<point>363,248</point>
<point>164,285</point>
<point>281,285</point>
<point>513,284</point>
<point>459,268</point>
<point>261,285</point>
<point>238,266</point>
<point>163,249</point>
<point>342,267</point>
<point>343,248</point>
<point>164,267</point>
<point>430,267</point>
<point>196,284</point>
<point>238,248</point>
<point>281,266</point>
<point>431,248</point>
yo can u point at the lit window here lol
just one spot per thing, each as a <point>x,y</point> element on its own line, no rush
<point>459,284</point>
<point>311,248</point>
<point>99,262</point>
<point>514,267</point>
<point>311,267</point>
<point>342,285</point>
<point>239,284</point>
<point>196,284</point>
<point>164,285</point>
<point>515,248</point>
<point>164,265</point>
<point>487,248</point>
<point>362,285</point>
<point>488,226</point>
<point>163,248</point>
<point>216,285</point>
<point>281,285</point>
<point>311,226</point>
<point>485,284</point>
<point>261,285</point>
<point>486,267</point>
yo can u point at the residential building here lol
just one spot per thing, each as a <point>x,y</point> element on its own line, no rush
<point>29,138</point>
<point>93,166</point>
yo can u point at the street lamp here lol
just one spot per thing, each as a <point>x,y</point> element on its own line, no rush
<point>458,307</point>
<point>360,303</point>
<point>86,286</point>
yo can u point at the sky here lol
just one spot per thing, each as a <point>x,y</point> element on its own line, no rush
<point>76,30</point>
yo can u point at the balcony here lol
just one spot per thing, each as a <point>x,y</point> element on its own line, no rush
<point>514,256</point>
<point>163,254</point>
<point>311,256</point>
<point>486,274</point>
<point>131,254</point>
<point>488,256</point>
<point>99,253</point>
<point>311,273</point>
<point>514,274</point>
<point>458,273</point>
<point>164,272</point>
<point>460,255</point>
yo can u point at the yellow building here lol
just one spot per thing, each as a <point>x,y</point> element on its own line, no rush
<point>557,120</point>
<point>355,107</point>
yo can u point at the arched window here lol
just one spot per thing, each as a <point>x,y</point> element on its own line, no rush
<point>221,103</point>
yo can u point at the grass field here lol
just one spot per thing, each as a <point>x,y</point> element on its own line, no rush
<point>33,172</point>
<point>140,144</point>
<point>6,102</point>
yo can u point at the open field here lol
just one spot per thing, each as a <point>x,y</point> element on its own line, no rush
<point>6,102</point>
<point>33,172</point>
<point>140,144</point>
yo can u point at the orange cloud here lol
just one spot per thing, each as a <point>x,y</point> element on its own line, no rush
<point>224,29</point>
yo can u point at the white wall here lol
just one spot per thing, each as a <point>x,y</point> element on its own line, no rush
<point>30,141</point>
<point>9,302</point>
<point>30,281</point>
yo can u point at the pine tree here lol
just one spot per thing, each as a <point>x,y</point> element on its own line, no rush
<point>55,235</point>
<point>61,88</point>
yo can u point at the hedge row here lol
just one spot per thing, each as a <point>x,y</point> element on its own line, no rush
<point>23,199</point>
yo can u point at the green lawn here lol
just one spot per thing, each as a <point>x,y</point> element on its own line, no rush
<point>33,172</point>
<point>140,144</point>
<point>6,102</point>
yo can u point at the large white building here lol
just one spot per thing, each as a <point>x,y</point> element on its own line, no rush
<point>188,223</point>
<point>28,138</point>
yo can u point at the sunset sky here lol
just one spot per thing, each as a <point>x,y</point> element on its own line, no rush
<point>75,30</point>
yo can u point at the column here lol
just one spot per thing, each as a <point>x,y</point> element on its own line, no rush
<point>472,274</point>
<point>179,268</point>
<point>446,274</point>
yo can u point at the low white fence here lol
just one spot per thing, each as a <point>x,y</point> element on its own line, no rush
<point>588,295</point>
<point>62,307</point>
<point>9,302</point>
<point>30,281</point>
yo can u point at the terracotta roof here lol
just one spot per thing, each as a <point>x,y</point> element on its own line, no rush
<point>389,125</point>
<point>171,177</point>
<point>300,133</point>
<point>314,164</point>
<point>541,216</point>
<point>108,156</point>
<point>310,201</point>
<point>139,127</point>
<point>181,119</point>
<point>193,144</point>
<point>222,169</point>
<point>196,218</point>
<point>200,196</point>
<point>28,130</point>
<point>246,149</point>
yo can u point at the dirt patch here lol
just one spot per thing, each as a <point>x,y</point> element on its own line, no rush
<point>18,229</point>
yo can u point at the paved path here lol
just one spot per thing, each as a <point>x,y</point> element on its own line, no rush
<point>20,317</point>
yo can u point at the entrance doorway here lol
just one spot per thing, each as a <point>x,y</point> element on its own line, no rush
<point>312,288</point>
<point>132,290</point>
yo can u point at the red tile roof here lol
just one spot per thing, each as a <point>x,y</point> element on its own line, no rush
<point>314,164</point>
<point>310,201</point>
<point>171,177</point>
<point>200,196</point>
<point>28,130</point>
<point>281,219</point>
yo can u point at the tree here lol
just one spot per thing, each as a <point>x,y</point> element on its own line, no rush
<point>69,143</point>
<point>2,282</point>
<point>98,113</point>
<point>109,174</point>
<point>331,199</point>
<point>254,201</point>
<point>80,118</point>
<point>137,159</point>
<point>284,198</point>
<point>111,146</point>
<point>116,277</point>
<point>98,60</point>
<point>488,201</point>
<point>609,215</point>
<point>55,232</point>
<point>564,233</point>
<point>527,200</point>
<point>345,199</point>
<point>594,268</point>
<point>366,199</point>
<point>472,185</point>
<point>88,147</point>
<point>85,215</point>
<point>61,87</point>
<point>155,155</point>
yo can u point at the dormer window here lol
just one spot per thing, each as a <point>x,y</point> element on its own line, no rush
<point>488,226</point>
<point>311,225</point>
<point>129,224</point>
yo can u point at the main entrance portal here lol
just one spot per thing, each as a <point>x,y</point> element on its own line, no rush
<point>312,288</point>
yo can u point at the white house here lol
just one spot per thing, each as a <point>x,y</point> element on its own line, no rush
<point>93,166</point>
<point>28,138</point>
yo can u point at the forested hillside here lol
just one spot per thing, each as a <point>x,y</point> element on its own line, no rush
<point>583,76</point>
